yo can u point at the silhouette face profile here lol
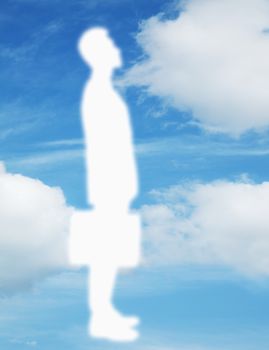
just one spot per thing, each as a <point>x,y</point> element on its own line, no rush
<point>98,50</point>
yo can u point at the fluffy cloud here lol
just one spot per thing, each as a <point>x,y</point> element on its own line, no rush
<point>212,59</point>
<point>220,223</point>
<point>34,223</point>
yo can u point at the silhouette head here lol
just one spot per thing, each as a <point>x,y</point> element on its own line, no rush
<point>98,50</point>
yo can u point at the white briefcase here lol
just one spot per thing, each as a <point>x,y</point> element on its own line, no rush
<point>97,237</point>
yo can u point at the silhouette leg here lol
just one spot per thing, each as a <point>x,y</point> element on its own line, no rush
<point>106,321</point>
<point>102,279</point>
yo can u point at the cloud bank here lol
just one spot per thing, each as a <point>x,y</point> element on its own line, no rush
<point>212,60</point>
<point>220,223</point>
<point>34,221</point>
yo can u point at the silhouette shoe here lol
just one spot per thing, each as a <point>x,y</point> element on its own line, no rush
<point>113,328</point>
<point>132,321</point>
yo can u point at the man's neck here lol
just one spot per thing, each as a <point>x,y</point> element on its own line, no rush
<point>102,76</point>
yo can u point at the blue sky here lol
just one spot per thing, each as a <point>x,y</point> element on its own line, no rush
<point>198,108</point>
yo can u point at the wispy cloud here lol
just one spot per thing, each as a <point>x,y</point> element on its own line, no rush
<point>27,50</point>
<point>63,150</point>
<point>47,158</point>
<point>21,342</point>
<point>62,143</point>
<point>21,115</point>
<point>199,145</point>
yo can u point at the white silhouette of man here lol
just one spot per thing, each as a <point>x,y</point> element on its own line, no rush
<point>112,184</point>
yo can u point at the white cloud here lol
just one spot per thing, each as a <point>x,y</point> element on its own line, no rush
<point>34,221</point>
<point>220,223</point>
<point>212,59</point>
